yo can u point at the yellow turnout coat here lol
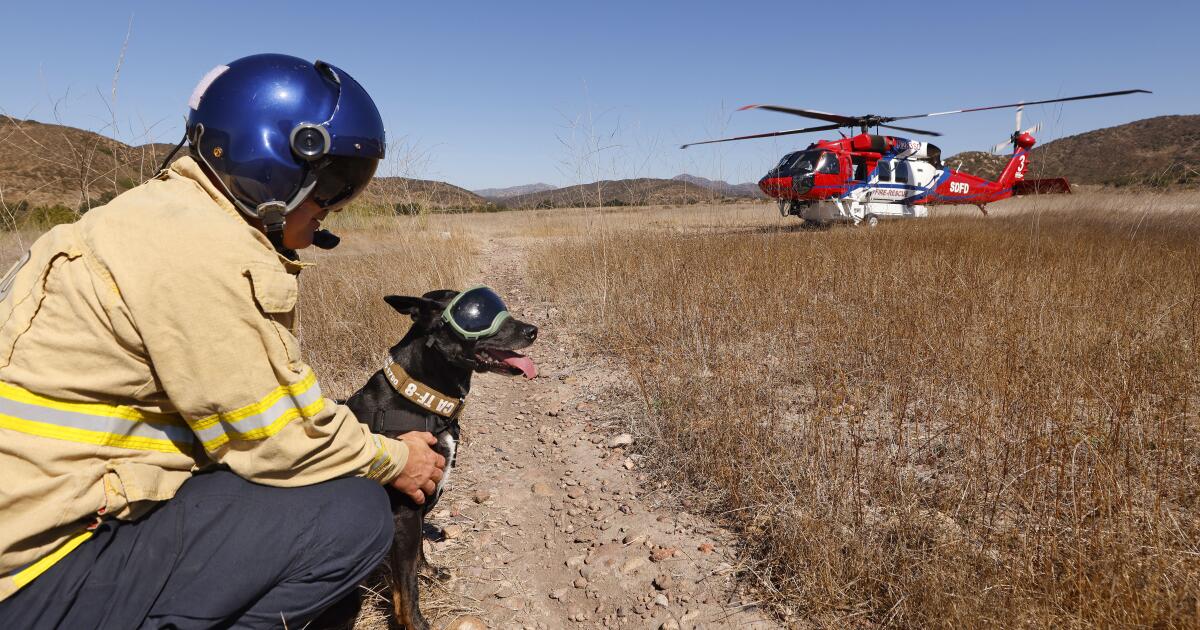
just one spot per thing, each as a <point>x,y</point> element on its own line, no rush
<point>147,341</point>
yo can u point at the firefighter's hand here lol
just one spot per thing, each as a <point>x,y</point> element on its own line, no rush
<point>423,470</point>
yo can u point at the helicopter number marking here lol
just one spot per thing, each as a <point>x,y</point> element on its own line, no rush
<point>1021,167</point>
<point>960,187</point>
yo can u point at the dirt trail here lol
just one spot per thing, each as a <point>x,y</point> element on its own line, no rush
<point>547,522</point>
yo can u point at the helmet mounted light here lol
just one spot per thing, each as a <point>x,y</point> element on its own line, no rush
<point>309,141</point>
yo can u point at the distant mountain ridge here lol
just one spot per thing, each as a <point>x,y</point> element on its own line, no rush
<point>623,192</point>
<point>407,195</point>
<point>46,165</point>
<point>748,189</point>
<point>513,191</point>
<point>1157,152</point>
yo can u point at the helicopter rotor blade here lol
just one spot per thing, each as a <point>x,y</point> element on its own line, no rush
<point>771,134</point>
<point>807,113</point>
<point>1050,100</point>
<point>1002,146</point>
<point>911,130</point>
<point>1018,127</point>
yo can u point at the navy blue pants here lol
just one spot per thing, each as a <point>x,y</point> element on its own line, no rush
<point>224,553</point>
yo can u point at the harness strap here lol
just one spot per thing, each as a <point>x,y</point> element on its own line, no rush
<point>422,395</point>
<point>402,421</point>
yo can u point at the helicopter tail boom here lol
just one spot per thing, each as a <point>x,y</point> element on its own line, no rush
<point>1016,169</point>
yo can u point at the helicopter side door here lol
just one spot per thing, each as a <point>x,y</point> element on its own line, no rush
<point>879,189</point>
<point>903,174</point>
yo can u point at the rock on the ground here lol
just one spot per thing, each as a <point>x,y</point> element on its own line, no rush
<point>663,553</point>
<point>632,564</point>
<point>467,622</point>
<point>624,439</point>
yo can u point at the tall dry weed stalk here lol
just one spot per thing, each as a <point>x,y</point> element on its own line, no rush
<point>949,423</point>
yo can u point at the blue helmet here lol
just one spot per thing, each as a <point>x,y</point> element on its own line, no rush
<point>276,129</point>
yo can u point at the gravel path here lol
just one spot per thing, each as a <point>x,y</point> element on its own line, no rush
<point>549,524</point>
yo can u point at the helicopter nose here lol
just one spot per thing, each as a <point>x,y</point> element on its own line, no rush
<point>774,186</point>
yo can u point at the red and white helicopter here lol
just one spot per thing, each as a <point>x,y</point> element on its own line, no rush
<point>864,178</point>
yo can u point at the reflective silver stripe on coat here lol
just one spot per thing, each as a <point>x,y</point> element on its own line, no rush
<point>260,421</point>
<point>98,424</point>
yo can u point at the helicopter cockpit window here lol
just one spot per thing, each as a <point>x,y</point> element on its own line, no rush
<point>829,164</point>
<point>885,171</point>
<point>902,172</point>
<point>806,161</point>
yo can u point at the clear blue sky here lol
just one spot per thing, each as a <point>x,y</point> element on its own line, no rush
<point>501,93</point>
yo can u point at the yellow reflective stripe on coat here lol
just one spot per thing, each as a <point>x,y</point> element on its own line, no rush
<point>381,459</point>
<point>264,418</point>
<point>92,423</point>
<point>26,575</point>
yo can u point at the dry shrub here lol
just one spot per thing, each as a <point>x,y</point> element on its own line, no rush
<point>958,422</point>
<point>345,326</point>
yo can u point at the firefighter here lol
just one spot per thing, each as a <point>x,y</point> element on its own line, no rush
<point>167,457</point>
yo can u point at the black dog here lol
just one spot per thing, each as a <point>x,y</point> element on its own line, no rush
<point>423,388</point>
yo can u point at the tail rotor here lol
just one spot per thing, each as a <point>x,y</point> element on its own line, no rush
<point>1003,147</point>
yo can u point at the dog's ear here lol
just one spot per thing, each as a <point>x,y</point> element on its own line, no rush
<point>414,307</point>
<point>441,295</point>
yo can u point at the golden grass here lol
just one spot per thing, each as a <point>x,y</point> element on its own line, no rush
<point>958,422</point>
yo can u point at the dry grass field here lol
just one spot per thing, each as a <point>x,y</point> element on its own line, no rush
<point>959,422</point>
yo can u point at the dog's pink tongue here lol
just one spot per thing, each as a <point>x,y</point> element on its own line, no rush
<point>523,363</point>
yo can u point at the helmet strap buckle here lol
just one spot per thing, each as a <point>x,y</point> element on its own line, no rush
<point>272,214</point>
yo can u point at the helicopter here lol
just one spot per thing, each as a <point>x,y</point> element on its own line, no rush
<point>868,177</point>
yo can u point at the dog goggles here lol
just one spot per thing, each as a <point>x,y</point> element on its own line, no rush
<point>476,313</point>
